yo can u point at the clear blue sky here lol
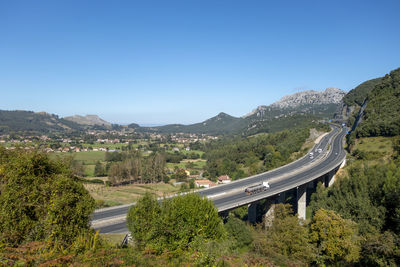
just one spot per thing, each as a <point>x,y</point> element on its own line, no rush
<point>186,61</point>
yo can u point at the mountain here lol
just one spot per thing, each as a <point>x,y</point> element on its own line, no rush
<point>292,110</point>
<point>289,111</point>
<point>90,120</point>
<point>220,124</point>
<point>323,104</point>
<point>306,98</point>
<point>29,122</point>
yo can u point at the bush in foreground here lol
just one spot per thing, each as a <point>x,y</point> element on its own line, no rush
<point>40,200</point>
<point>174,224</point>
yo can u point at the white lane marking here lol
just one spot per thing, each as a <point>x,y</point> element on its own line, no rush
<point>216,195</point>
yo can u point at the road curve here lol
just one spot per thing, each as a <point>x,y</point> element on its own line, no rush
<point>229,196</point>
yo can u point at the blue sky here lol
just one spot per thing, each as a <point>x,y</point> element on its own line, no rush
<point>158,62</point>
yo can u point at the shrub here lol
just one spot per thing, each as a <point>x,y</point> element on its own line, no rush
<point>40,200</point>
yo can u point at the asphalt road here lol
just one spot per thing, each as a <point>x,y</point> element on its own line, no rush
<point>232,195</point>
<point>239,198</point>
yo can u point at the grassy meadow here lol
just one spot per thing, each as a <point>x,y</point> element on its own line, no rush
<point>107,196</point>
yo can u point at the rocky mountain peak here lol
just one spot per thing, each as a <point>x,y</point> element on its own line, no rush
<point>259,111</point>
<point>311,97</point>
<point>88,120</point>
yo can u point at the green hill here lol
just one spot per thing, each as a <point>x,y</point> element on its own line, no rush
<point>357,95</point>
<point>382,115</point>
<point>220,124</point>
<point>28,122</point>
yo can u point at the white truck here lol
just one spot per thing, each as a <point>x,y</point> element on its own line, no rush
<point>254,189</point>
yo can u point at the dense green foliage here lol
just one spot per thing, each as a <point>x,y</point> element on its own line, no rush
<point>240,157</point>
<point>136,168</point>
<point>289,241</point>
<point>175,224</point>
<point>336,239</point>
<point>239,234</point>
<point>286,239</point>
<point>382,114</point>
<point>40,200</point>
<point>358,95</point>
<point>368,195</point>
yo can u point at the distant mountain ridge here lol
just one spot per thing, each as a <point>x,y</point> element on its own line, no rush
<point>290,110</point>
<point>308,105</point>
<point>90,120</point>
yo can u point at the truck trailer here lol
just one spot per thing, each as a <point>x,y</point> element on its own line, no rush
<point>257,188</point>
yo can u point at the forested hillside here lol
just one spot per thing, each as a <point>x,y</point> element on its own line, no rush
<point>241,157</point>
<point>224,124</point>
<point>220,124</point>
<point>29,122</point>
<point>382,114</point>
<point>360,93</point>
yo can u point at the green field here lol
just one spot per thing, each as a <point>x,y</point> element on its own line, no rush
<point>375,144</point>
<point>199,164</point>
<point>374,149</point>
<point>87,157</point>
<point>111,196</point>
<point>107,145</point>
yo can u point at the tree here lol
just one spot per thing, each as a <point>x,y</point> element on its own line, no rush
<point>239,232</point>
<point>356,197</point>
<point>287,237</point>
<point>99,169</point>
<point>143,219</point>
<point>180,175</point>
<point>187,217</point>
<point>174,224</point>
<point>381,250</point>
<point>335,238</point>
<point>40,200</point>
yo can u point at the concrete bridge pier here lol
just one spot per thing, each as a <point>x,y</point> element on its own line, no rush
<point>263,207</point>
<point>329,178</point>
<point>270,209</point>
<point>252,212</point>
<point>302,201</point>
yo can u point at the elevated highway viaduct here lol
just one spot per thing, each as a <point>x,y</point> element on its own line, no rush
<point>298,177</point>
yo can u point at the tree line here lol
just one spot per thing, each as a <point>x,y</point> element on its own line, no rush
<point>132,167</point>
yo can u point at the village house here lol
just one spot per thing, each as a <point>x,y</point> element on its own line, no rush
<point>224,179</point>
<point>204,183</point>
